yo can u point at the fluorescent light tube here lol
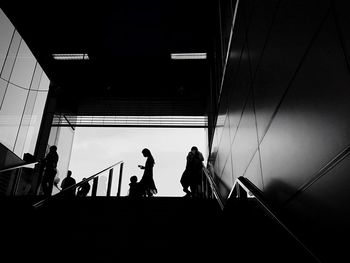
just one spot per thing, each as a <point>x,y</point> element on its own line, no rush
<point>188,55</point>
<point>70,56</point>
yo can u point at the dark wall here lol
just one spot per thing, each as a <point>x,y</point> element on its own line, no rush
<point>284,115</point>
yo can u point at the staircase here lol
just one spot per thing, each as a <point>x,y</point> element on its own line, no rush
<point>157,229</point>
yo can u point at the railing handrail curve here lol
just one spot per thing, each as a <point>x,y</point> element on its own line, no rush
<point>24,165</point>
<point>41,202</point>
<point>213,186</point>
<point>248,186</point>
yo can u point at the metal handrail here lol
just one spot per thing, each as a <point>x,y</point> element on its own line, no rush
<point>213,186</point>
<point>18,167</point>
<point>250,188</point>
<point>40,203</point>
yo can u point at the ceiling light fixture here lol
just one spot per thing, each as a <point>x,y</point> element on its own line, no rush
<point>188,55</point>
<point>70,56</point>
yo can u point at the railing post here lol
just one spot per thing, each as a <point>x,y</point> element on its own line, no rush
<point>120,178</point>
<point>109,186</point>
<point>241,193</point>
<point>94,186</point>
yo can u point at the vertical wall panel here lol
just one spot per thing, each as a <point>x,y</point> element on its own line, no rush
<point>224,147</point>
<point>253,172</point>
<point>245,143</point>
<point>23,69</point>
<point>6,33</point>
<point>11,56</point>
<point>341,12</point>
<point>227,179</point>
<point>238,95</point>
<point>312,126</point>
<point>258,31</point>
<point>24,134</point>
<point>3,87</point>
<point>11,114</point>
<point>295,24</point>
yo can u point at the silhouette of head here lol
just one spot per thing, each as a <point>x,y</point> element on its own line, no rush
<point>146,152</point>
<point>194,149</point>
<point>69,173</point>
<point>53,148</point>
<point>133,179</point>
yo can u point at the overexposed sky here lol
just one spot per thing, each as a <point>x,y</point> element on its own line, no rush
<point>96,148</point>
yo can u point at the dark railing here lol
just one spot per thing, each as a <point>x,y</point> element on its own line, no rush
<point>25,165</point>
<point>15,177</point>
<point>93,177</point>
<point>243,188</point>
<point>209,188</point>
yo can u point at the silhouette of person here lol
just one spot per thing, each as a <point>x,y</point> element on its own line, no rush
<point>147,184</point>
<point>67,182</point>
<point>185,181</point>
<point>83,189</point>
<point>50,170</point>
<point>134,190</point>
<point>191,177</point>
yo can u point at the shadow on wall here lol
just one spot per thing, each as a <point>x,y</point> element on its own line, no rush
<point>277,192</point>
<point>302,214</point>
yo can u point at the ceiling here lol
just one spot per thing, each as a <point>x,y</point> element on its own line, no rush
<point>129,45</point>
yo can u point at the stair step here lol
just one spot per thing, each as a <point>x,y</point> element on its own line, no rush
<point>108,229</point>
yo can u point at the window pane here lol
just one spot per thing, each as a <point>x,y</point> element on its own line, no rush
<point>37,113</point>
<point>3,85</point>
<point>24,67</point>
<point>25,123</point>
<point>35,123</point>
<point>11,114</point>
<point>44,83</point>
<point>10,59</point>
<point>34,85</point>
<point>6,32</point>
<point>64,148</point>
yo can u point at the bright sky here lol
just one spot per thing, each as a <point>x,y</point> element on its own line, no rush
<point>97,148</point>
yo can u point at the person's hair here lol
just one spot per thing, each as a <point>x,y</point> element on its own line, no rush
<point>53,147</point>
<point>148,154</point>
<point>194,148</point>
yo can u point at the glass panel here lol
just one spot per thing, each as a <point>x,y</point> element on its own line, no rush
<point>24,67</point>
<point>53,136</point>
<point>23,134</point>
<point>3,86</point>
<point>25,123</point>
<point>44,82</point>
<point>64,148</point>
<point>11,114</point>
<point>6,32</point>
<point>35,123</point>
<point>37,77</point>
<point>10,59</point>
<point>102,184</point>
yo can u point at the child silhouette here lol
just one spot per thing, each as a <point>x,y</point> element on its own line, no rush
<point>134,190</point>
